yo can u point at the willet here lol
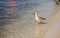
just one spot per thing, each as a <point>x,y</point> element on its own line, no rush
<point>38,18</point>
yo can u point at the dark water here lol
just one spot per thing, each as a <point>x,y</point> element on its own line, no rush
<point>21,5</point>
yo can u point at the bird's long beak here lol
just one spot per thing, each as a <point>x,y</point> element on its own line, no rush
<point>33,14</point>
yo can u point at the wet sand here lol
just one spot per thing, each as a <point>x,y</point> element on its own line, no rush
<point>27,27</point>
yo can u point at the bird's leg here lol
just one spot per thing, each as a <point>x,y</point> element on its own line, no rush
<point>41,22</point>
<point>38,22</point>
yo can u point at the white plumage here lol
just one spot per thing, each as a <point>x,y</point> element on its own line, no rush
<point>38,18</point>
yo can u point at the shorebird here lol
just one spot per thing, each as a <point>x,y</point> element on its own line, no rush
<point>38,18</point>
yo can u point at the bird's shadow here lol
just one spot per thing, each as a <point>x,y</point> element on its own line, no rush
<point>42,23</point>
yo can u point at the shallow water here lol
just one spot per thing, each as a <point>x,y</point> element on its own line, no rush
<point>22,24</point>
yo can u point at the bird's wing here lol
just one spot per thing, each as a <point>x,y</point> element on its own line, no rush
<point>42,18</point>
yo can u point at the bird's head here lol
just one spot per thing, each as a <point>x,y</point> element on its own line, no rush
<point>36,12</point>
